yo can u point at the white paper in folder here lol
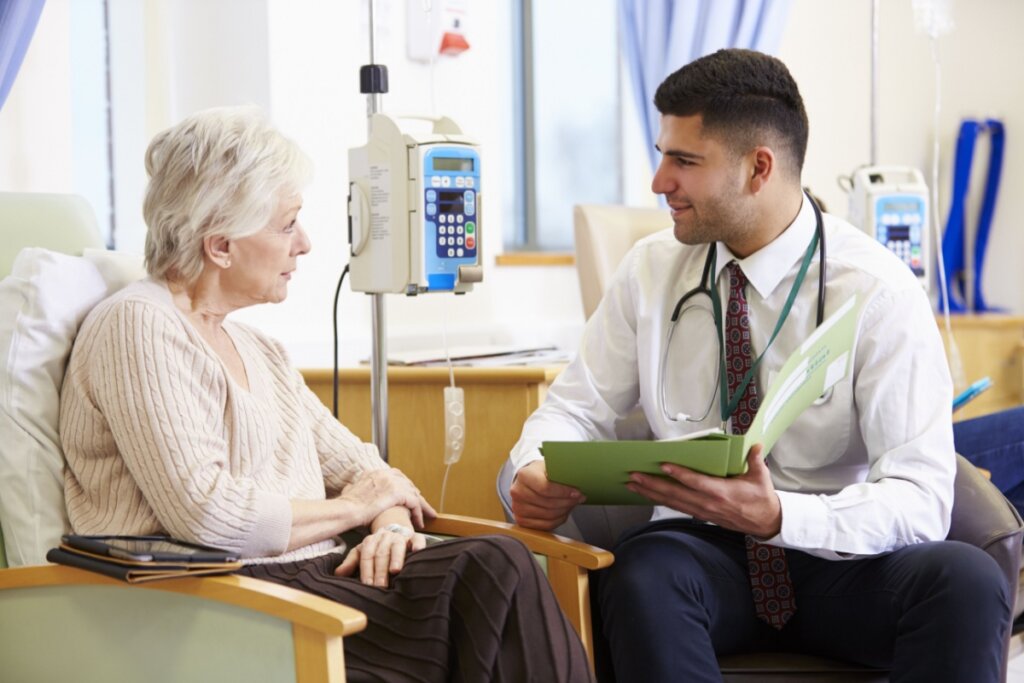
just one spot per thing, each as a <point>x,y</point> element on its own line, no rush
<point>479,356</point>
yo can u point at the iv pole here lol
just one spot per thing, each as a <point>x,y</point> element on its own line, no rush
<point>873,159</point>
<point>373,82</point>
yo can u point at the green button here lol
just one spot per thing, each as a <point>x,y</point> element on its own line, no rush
<point>470,227</point>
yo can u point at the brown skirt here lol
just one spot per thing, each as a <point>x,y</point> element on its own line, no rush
<point>468,609</point>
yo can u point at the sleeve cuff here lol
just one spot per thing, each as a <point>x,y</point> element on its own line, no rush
<point>272,527</point>
<point>805,521</point>
<point>530,456</point>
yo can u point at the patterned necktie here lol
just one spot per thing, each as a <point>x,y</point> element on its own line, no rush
<point>769,576</point>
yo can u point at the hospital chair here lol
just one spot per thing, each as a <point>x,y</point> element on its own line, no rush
<point>604,233</point>
<point>981,515</point>
<point>62,623</point>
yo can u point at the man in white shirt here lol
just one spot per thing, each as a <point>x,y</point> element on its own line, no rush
<point>830,543</point>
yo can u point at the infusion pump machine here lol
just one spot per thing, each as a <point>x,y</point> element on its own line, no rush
<point>891,204</point>
<point>414,209</point>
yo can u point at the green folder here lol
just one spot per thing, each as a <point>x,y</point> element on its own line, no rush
<point>600,469</point>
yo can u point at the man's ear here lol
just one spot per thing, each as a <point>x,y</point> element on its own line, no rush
<point>762,167</point>
<point>217,249</point>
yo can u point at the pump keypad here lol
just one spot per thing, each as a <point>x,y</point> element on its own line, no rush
<point>451,214</point>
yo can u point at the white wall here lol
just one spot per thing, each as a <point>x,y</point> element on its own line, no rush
<point>827,46</point>
<point>300,58</point>
<point>316,50</point>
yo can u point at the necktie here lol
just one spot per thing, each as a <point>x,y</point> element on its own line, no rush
<point>769,576</point>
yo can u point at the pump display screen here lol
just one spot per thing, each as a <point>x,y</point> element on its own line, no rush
<point>907,206</point>
<point>462,164</point>
<point>898,233</point>
<point>450,203</point>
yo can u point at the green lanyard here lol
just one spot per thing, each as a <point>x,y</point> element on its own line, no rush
<point>729,407</point>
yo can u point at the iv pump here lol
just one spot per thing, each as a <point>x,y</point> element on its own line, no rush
<point>414,208</point>
<point>890,203</point>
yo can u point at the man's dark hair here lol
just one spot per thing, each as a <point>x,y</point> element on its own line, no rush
<point>743,98</point>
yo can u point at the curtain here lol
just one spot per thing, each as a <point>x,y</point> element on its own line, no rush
<point>18,19</point>
<point>660,36</point>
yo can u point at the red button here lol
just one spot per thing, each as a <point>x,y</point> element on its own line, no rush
<point>470,242</point>
<point>453,44</point>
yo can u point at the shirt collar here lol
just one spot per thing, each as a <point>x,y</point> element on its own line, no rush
<point>767,266</point>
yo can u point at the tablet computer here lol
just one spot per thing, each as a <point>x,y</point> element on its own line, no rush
<point>148,549</point>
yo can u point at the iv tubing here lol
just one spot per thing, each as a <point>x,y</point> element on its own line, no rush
<point>956,367</point>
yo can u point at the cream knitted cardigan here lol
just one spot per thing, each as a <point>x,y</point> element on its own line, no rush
<point>159,438</point>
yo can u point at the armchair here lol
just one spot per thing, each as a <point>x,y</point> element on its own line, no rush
<point>604,233</point>
<point>225,628</point>
<point>981,517</point>
<point>63,623</point>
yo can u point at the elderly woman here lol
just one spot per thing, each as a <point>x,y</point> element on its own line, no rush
<point>176,420</point>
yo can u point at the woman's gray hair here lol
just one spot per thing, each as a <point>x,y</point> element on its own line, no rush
<point>221,172</point>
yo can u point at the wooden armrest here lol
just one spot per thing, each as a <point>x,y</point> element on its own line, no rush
<point>275,600</point>
<point>553,546</point>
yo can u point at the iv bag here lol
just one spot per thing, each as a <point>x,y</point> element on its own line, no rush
<point>933,17</point>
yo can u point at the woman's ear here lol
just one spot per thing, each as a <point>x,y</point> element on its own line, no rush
<point>762,168</point>
<point>217,248</point>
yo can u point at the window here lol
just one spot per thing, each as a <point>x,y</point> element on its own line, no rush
<point>90,100</point>
<point>567,139</point>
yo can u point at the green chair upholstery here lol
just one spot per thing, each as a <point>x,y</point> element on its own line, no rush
<point>60,623</point>
<point>60,222</point>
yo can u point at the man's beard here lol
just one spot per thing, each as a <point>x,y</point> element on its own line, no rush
<point>717,219</point>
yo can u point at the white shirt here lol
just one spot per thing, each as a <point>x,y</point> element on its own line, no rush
<point>868,471</point>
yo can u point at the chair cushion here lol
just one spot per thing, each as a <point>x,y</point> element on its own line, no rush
<point>62,222</point>
<point>759,667</point>
<point>42,304</point>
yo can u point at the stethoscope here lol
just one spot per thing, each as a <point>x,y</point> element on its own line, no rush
<point>708,288</point>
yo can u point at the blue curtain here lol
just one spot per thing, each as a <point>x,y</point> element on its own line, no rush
<point>662,35</point>
<point>18,19</point>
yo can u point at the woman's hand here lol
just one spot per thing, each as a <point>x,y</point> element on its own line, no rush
<point>378,490</point>
<point>381,554</point>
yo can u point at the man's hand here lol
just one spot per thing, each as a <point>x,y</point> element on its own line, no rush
<point>538,503</point>
<point>746,503</point>
<point>379,556</point>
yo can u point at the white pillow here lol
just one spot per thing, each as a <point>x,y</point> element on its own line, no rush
<point>42,303</point>
<point>118,268</point>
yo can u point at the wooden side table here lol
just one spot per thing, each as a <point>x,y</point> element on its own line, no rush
<point>498,401</point>
<point>990,345</point>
